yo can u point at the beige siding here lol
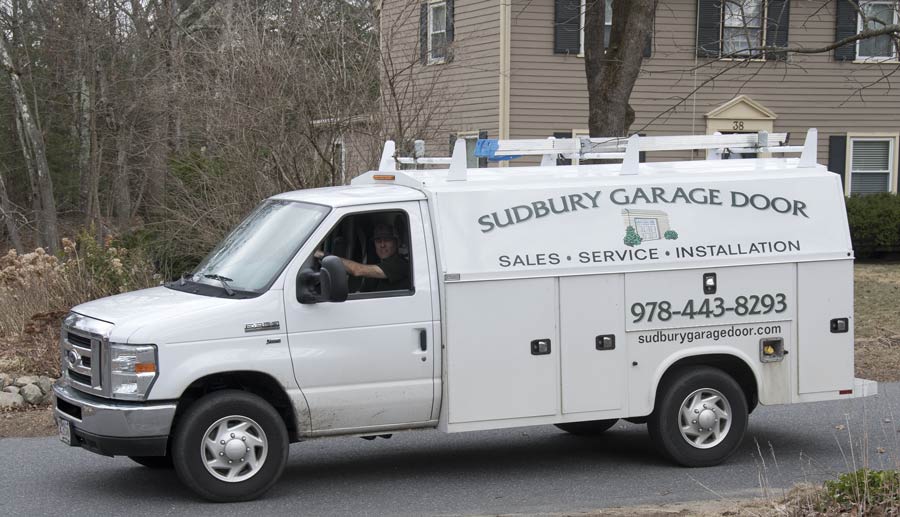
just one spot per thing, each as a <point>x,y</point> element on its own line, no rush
<point>548,91</point>
<point>439,99</point>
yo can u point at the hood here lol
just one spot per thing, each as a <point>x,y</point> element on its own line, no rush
<point>160,314</point>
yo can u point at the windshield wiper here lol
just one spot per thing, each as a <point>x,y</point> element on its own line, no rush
<point>223,279</point>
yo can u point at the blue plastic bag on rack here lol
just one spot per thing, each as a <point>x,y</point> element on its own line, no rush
<point>487,147</point>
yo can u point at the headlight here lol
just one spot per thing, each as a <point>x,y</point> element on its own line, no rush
<point>132,370</point>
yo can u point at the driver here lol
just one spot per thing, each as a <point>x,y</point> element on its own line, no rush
<point>392,271</point>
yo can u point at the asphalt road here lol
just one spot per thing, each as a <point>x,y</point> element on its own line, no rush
<point>527,470</point>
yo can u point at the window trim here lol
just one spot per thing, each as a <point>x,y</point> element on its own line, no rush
<point>763,33</point>
<point>893,138</point>
<point>468,135</point>
<point>432,4</point>
<point>607,23</point>
<point>893,58</point>
<point>369,295</point>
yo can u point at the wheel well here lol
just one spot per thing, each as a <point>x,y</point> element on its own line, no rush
<point>257,383</point>
<point>733,366</point>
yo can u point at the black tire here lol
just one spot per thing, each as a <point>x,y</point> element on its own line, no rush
<point>698,446</point>
<point>154,462</point>
<point>222,409</point>
<point>589,428</point>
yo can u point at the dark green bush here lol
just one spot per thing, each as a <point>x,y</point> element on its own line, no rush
<point>874,224</point>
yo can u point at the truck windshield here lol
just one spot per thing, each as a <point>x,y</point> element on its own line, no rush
<point>255,252</point>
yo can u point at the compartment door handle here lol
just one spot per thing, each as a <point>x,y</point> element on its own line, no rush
<point>423,340</point>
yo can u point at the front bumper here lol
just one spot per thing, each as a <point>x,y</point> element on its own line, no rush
<point>114,428</point>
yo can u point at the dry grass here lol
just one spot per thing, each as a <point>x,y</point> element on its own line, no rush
<point>37,290</point>
<point>877,325</point>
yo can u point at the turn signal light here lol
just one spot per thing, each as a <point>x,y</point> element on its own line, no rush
<point>384,177</point>
<point>144,368</point>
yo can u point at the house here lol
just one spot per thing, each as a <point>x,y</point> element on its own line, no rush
<point>515,69</point>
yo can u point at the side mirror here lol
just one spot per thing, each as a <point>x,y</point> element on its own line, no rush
<point>331,280</point>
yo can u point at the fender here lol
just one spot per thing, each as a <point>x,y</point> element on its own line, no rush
<point>664,366</point>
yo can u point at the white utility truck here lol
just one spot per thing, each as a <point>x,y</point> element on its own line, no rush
<point>680,294</point>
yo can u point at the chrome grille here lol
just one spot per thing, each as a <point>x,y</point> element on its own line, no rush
<point>81,347</point>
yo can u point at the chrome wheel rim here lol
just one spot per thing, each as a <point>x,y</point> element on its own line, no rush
<point>234,448</point>
<point>704,418</point>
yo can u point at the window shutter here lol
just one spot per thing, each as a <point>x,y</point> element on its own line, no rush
<point>482,162</point>
<point>837,156</point>
<point>777,24</point>
<point>559,159</point>
<point>709,27</point>
<point>567,27</point>
<point>845,27</point>
<point>450,30</point>
<point>423,33</point>
<point>648,47</point>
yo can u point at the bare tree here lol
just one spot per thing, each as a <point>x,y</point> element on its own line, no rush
<point>34,151</point>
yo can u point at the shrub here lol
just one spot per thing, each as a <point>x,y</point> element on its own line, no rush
<point>874,224</point>
<point>671,235</point>
<point>37,289</point>
<point>864,490</point>
<point>631,237</point>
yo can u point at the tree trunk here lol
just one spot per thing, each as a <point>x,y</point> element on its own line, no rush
<point>84,112</point>
<point>121,190</point>
<point>34,146</point>
<point>612,72</point>
<point>6,213</point>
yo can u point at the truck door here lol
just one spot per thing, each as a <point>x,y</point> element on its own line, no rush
<point>367,361</point>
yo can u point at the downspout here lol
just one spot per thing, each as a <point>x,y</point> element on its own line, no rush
<point>505,29</point>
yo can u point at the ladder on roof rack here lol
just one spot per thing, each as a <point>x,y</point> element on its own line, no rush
<point>617,148</point>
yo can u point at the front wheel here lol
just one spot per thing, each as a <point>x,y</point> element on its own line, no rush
<point>230,446</point>
<point>700,417</point>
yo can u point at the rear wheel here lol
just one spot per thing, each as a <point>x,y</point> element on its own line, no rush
<point>154,462</point>
<point>700,417</point>
<point>230,446</point>
<point>592,427</point>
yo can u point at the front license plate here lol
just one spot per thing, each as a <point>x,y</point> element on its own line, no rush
<point>65,431</point>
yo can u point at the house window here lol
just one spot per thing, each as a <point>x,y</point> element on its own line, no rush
<point>437,32</point>
<point>870,165</point>
<point>738,29</point>
<point>875,15</point>
<point>742,27</point>
<point>568,27</point>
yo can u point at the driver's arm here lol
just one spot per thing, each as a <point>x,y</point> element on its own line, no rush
<point>357,269</point>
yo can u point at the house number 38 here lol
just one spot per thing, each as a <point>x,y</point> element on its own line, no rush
<point>738,125</point>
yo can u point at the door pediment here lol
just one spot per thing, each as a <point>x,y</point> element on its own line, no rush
<point>742,108</point>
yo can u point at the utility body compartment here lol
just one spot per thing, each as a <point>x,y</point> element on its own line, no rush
<point>624,276</point>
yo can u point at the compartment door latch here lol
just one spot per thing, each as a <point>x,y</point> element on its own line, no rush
<point>540,347</point>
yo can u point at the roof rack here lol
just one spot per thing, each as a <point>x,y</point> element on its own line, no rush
<point>627,149</point>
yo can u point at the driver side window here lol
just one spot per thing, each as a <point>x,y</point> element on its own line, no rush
<point>375,248</point>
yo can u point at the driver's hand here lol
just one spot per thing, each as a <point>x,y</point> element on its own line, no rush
<point>319,254</point>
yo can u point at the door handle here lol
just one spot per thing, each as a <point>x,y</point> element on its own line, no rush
<point>423,340</point>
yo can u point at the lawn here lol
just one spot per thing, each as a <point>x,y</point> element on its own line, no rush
<point>877,293</point>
